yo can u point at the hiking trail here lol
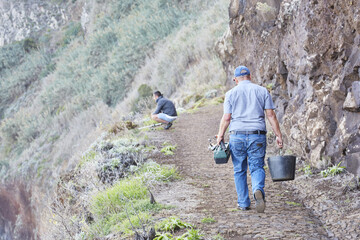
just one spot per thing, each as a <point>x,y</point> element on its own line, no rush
<point>208,190</point>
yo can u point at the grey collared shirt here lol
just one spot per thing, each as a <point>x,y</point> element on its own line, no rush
<point>246,103</point>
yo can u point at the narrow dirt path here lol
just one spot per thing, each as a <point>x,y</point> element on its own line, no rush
<point>208,190</point>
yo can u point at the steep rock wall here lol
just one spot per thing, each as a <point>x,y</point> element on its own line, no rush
<point>17,220</point>
<point>308,55</point>
<point>20,19</point>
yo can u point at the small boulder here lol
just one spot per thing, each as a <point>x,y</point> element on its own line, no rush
<point>352,101</point>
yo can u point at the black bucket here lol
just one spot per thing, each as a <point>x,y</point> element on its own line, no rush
<point>282,168</point>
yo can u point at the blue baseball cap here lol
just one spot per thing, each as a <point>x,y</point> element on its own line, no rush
<point>241,71</point>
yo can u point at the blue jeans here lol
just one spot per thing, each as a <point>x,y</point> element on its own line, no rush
<point>248,148</point>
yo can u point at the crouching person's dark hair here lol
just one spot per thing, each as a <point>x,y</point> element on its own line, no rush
<point>158,93</point>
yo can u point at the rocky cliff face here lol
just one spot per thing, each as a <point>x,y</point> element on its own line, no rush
<point>17,219</point>
<point>22,18</point>
<point>308,55</point>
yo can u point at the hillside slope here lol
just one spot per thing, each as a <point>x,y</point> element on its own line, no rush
<point>63,86</point>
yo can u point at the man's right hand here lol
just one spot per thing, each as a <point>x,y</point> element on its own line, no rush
<point>219,138</point>
<point>279,142</point>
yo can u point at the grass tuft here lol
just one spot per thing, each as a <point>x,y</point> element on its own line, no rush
<point>293,204</point>
<point>307,170</point>
<point>168,149</point>
<point>208,220</point>
<point>332,171</point>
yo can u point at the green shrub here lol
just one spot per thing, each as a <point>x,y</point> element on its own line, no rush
<point>128,200</point>
<point>270,87</point>
<point>121,221</point>
<point>191,234</point>
<point>100,45</point>
<point>115,198</point>
<point>208,220</point>
<point>145,91</point>
<point>172,224</point>
<point>144,100</point>
<point>29,44</point>
<point>87,157</point>
<point>168,149</point>
<point>20,130</point>
<point>135,221</point>
<point>307,170</point>
<point>72,31</point>
<point>15,82</point>
<point>123,8</point>
<point>158,172</point>
<point>332,171</point>
<point>11,55</point>
<point>121,204</point>
<point>163,236</point>
<point>49,63</point>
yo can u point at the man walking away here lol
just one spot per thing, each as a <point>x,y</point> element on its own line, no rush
<point>244,108</point>
<point>165,111</point>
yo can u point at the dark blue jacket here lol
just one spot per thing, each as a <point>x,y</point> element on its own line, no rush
<point>164,105</point>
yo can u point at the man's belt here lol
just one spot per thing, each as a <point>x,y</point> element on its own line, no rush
<point>248,132</point>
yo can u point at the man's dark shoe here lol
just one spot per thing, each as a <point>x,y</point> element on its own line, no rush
<point>168,126</point>
<point>243,208</point>
<point>259,201</point>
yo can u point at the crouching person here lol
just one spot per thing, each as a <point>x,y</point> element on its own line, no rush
<point>165,111</point>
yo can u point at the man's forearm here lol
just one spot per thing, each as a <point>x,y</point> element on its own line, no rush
<point>275,125</point>
<point>224,124</point>
<point>157,111</point>
<point>271,116</point>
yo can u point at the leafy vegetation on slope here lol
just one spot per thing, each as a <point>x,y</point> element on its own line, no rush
<point>332,171</point>
<point>187,62</point>
<point>100,69</point>
<point>128,202</point>
<point>56,89</point>
<point>105,66</point>
<point>66,83</point>
<point>172,224</point>
<point>87,207</point>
